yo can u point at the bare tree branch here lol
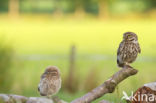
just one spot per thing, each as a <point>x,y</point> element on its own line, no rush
<point>104,101</point>
<point>108,86</point>
<point>10,98</point>
<point>58,100</point>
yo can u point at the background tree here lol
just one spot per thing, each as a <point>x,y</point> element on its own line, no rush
<point>14,7</point>
<point>103,8</point>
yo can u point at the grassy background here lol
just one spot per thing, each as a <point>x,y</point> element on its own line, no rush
<point>39,42</point>
<point>38,35</point>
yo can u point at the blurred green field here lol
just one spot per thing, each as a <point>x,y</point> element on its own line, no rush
<point>47,36</point>
<point>41,42</point>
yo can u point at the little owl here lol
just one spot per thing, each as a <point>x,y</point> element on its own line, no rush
<point>128,49</point>
<point>50,82</point>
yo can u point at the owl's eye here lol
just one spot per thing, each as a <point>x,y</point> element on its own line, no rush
<point>129,36</point>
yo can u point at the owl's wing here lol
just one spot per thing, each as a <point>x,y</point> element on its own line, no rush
<point>139,49</point>
<point>43,75</point>
<point>38,88</point>
<point>120,54</point>
<point>120,49</point>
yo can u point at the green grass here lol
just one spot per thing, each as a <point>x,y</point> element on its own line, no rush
<point>41,42</point>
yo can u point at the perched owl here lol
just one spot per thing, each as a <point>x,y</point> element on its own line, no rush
<point>50,82</point>
<point>128,49</point>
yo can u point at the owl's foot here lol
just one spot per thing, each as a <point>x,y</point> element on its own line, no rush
<point>127,66</point>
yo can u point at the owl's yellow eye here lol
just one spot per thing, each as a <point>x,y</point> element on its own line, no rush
<point>129,36</point>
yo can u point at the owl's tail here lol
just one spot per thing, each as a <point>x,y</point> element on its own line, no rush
<point>120,64</point>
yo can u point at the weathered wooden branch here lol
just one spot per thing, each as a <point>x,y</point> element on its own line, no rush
<point>58,100</point>
<point>10,98</point>
<point>104,101</point>
<point>108,86</point>
<point>151,85</point>
<point>145,94</point>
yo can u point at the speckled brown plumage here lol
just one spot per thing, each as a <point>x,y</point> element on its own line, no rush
<point>128,49</point>
<point>50,82</point>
